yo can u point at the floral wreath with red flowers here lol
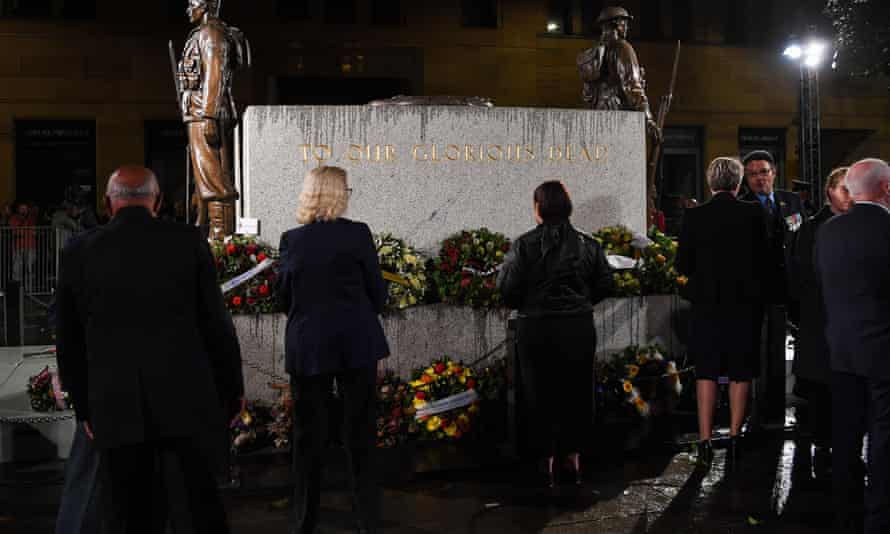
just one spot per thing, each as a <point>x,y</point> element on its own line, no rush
<point>235,256</point>
<point>45,392</point>
<point>466,269</point>
<point>442,380</point>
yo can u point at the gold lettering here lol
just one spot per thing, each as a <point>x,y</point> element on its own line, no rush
<point>452,149</point>
<point>417,157</point>
<point>390,153</point>
<point>600,152</point>
<point>305,151</point>
<point>354,153</point>
<point>468,153</point>
<point>531,152</point>
<point>435,158</point>
<point>497,148</point>
<point>323,152</point>
<point>568,152</point>
<point>555,153</point>
<point>586,153</point>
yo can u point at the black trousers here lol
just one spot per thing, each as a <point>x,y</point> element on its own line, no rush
<point>861,405</point>
<point>151,483</point>
<point>311,401</point>
<point>819,410</point>
<point>556,358</point>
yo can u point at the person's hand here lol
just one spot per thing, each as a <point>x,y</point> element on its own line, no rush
<point>211,132</point>
<point>88,430</point>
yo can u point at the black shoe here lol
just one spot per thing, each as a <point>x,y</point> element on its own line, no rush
<point>704,453</point>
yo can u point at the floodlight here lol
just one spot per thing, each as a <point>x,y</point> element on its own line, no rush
<point>793,51</point>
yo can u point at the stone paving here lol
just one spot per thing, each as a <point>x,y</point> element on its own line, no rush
<point>633,494</point>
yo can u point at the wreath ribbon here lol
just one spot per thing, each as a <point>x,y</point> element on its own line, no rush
<point>447,404</point>
<point>245,277</point>
<point>392,277</point>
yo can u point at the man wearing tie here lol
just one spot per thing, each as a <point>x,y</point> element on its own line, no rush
<point>852,257</point>
<point>784,216</point>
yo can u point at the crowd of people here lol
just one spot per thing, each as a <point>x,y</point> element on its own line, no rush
<point>155,380</point>
<point>749,258</point>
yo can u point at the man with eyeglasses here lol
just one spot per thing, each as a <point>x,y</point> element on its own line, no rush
<point>785,215</point>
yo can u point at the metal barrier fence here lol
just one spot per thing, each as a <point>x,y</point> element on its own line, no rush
<point>30,255</point>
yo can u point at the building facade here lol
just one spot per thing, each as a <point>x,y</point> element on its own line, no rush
<point>86,85</point>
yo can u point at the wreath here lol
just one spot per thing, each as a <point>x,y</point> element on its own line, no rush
<point>392,399</point>
<point>237,255</point>
<point>467,266</point>
<point>404,268</point>
<point>444,400</point>
<point>45,392</point>
<point>640,378</point>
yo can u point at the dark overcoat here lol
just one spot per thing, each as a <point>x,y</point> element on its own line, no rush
<point>332,288</point>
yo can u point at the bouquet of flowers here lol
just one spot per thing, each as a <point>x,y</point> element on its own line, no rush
<point>451,382</point>
<point>653,272</point>
<point>618,241</point>
<point>392,399</point>
<point>405,270</point>
<point>658,275</point>
<point>237,255</point>
<point>641,378</point>
<point>46,393</point>
<point>248,430</point>
<point>466,270</point>
<point>281,418</point>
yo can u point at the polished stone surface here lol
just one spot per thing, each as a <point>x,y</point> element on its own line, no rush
<point>426,172</point>
<point>420,334</point>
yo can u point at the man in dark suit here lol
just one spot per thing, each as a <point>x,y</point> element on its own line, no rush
<point>853,263</point>
<point>785,215</point>
<point>726,287</point>
<point>149,355</point>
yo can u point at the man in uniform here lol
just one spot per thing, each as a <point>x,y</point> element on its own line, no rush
<point>211,54</point>
<point>613,79</point>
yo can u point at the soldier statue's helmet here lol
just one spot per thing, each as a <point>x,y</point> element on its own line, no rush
<point>613,13</point>
<point>211,5</point>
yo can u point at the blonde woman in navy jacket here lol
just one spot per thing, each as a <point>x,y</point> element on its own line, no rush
<point>331,286</point>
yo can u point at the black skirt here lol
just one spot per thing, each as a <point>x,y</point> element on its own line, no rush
<point>556,358</point>
<point>724,340</point>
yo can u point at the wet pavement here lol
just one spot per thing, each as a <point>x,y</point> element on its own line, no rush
<point>643,492</point>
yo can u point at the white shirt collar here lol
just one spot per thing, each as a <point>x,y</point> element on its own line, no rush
<point>883,207</point>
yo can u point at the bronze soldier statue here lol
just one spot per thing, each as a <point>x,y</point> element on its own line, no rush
<point>212,53</point>
<point>614,80</point>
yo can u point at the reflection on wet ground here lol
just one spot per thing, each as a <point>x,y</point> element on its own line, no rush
<point>654,492</point>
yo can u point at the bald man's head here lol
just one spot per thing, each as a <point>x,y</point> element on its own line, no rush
<point>132,185</point>
<point>869,180</point>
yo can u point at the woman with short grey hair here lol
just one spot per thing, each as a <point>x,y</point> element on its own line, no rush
<point>723,253</point>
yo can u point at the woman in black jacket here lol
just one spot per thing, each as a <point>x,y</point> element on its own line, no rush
<point>811,366</point>
<point>331,286</point>
<point>554,275</point>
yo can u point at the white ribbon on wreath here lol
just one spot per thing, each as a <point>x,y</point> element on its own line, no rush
<point>246,276</point>
<point>477,272</point>
<point>447,404</point>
